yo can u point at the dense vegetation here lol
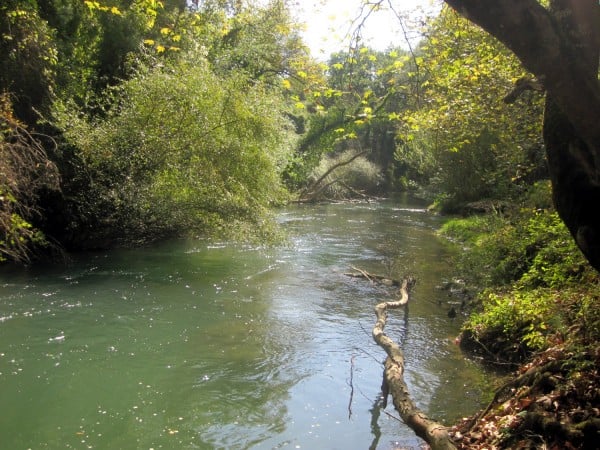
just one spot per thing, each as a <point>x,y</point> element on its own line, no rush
<point>123,122</point>
<point>150,119</point>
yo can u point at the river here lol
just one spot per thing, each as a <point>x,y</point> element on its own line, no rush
<point>213,345</point>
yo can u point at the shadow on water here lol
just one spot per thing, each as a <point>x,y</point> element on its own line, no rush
<point>215,345</point>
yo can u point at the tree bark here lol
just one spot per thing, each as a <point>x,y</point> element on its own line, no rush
<point>561,46</point>
<point>434,433</point>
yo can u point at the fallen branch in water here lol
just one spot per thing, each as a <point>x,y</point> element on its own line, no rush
<point>434,433</point>
<point>372,277</point>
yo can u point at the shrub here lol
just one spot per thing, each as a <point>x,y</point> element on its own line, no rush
<point>518,316</point>
<point>178,151</point>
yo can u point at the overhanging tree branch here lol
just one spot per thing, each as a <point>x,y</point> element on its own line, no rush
<point>561,46</point>
<point>564,60</point>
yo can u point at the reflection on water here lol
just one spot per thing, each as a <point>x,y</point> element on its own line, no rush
<point>198,345</point>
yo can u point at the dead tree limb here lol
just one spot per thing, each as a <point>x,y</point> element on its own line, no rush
<point>309,193</point>
<point>360,273</point>
<point>434,433</point>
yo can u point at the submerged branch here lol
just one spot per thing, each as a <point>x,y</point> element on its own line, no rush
<point>373,277</point>
<point>434,433</point>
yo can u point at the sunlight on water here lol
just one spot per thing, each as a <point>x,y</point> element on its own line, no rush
<point>213,345</point>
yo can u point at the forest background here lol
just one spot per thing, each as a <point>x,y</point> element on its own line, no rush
<point>124,122</point>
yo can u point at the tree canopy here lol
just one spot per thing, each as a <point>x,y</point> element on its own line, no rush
<point>560,44</point>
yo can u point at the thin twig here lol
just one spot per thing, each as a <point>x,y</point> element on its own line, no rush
<point>351,384</point>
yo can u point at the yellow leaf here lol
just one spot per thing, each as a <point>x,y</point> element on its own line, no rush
<point>114,10</point>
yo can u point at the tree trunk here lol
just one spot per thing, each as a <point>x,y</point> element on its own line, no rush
<point>561,46</point>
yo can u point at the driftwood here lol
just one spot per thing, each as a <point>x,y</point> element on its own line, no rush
<point>359,273</point>
<point>434,433</point>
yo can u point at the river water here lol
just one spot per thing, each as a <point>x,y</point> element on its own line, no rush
<point>196,344</point>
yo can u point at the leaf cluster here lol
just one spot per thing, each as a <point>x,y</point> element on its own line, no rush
<point>460,136</point>
<point>25,170</point>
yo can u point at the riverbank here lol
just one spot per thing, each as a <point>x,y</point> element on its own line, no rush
<point>538,319</point>
<point>552,399</point>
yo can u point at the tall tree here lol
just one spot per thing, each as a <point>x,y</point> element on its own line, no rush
<point>560,44</point>
<point>496,150</point>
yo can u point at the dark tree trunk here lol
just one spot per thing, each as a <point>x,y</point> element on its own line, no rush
<point>561,46</point>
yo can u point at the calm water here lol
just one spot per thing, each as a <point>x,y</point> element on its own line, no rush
<point>212,345</point>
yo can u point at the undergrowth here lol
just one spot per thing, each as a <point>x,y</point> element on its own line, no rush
<point>538,312</point>
<point>538,286</point>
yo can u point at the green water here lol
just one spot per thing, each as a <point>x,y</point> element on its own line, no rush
<point>208,345</point>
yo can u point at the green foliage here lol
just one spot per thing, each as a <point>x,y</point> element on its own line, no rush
<point>262,42</point>
<point>533,249</point>
<point>466,142</point>
<point>538,281</point>
<point>29,58</point>
<point>361,101</point>
<point>180,150</point>
<point>319,140</point>
<point>467,230</point>
<point>173,119</point>
<point>519,315</point>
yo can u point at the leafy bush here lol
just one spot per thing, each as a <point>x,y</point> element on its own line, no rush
<point>533,271</point>
<point>533,249</point>
<point>518,316</point>
<point>179,150</point>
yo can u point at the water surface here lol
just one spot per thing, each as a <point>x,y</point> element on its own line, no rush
<point>210,345</point>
